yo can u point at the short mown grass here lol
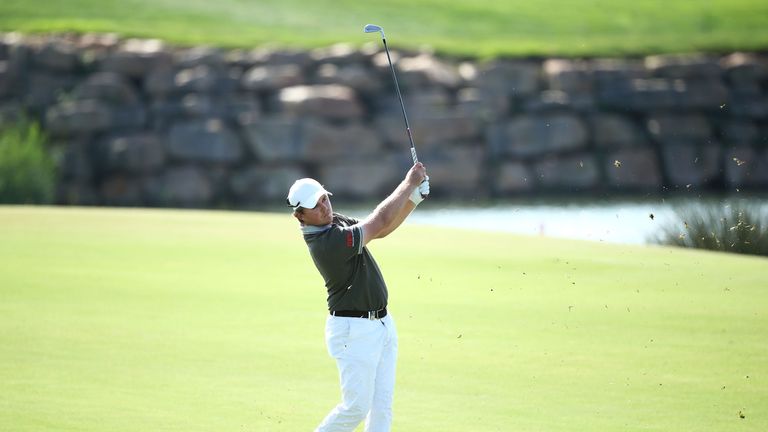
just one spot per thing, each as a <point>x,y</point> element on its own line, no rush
<point>157,320</point>
<point>481,28</point>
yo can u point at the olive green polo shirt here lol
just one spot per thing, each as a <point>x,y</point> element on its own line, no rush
<point>352,277</point>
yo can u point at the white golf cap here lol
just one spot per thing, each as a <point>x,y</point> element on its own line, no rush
<point>305,193</point>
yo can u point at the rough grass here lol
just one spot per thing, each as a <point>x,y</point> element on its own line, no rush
<point>739,226</point>
<point>475,28</point>
<point>27,171</point>
<point>137,320</point>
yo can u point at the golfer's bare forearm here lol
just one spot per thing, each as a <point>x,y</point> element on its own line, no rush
<point>386,213</point>
<point>404,213</point>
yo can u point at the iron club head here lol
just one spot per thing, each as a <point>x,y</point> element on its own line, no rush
<point>373,28</point>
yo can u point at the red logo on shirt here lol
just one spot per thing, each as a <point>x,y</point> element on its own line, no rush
<point>350,240</point>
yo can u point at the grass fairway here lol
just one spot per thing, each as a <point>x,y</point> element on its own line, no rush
<point>475,28</point>
<point>149,320</point>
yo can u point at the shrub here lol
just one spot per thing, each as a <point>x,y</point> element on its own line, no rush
<point>27,171</point>
<point>738,226</point>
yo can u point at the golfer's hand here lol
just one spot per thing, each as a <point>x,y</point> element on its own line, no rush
<point>420,193</point>
<point>416,175</point>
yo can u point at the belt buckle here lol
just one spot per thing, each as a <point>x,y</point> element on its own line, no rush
<point>372,315</point>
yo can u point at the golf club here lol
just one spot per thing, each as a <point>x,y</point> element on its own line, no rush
<point>373,28</point>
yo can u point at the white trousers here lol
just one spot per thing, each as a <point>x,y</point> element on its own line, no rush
<point>365,352</point>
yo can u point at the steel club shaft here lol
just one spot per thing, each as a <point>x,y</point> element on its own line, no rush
<point>371,28</point>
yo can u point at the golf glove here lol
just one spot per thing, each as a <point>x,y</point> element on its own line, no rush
<point>420,192</point>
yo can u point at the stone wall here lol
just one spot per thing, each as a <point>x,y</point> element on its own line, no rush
<point>137,122</point>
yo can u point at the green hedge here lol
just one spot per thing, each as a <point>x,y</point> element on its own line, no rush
<point>27,170</point>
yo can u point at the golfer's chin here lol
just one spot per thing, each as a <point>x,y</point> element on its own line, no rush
<point>321,221</point>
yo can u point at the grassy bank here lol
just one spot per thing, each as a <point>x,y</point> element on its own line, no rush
<point>134,320</point>
<point>476,28</point>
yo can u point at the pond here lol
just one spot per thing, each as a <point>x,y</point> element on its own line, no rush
<point>627,222</point>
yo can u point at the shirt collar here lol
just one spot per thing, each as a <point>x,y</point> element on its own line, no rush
<point>313,229</point>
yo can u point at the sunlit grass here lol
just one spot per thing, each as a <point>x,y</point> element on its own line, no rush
<point>478,28</point>
<point>133,320</point>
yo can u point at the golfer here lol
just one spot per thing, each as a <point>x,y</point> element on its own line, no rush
<point>359,332</point>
